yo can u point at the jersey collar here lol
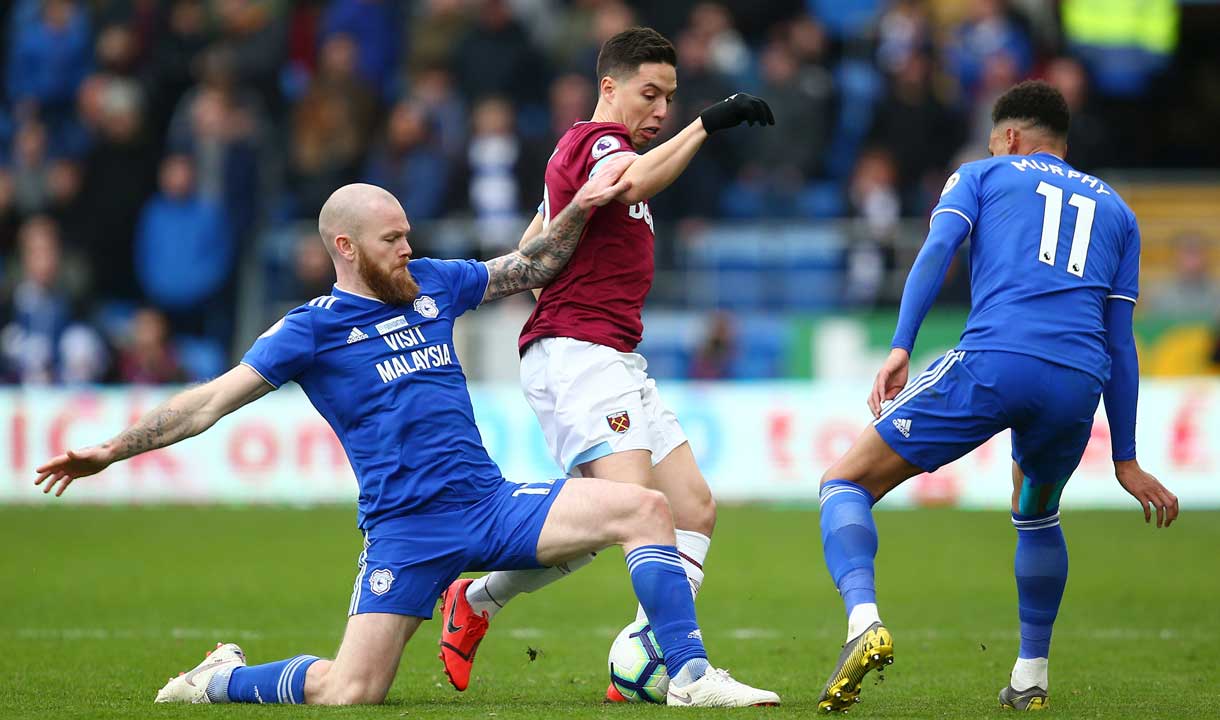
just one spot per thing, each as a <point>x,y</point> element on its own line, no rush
<point>341,292</point>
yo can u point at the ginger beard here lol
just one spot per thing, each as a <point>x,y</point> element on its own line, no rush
<point>395,287</point>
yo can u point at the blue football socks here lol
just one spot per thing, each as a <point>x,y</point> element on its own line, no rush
<point>1041,566</point>
<point>849,541</point>
<point>277,682</point>
<point>661,586</point>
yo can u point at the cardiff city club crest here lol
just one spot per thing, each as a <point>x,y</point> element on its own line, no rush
<point>426,306</point>
<point>619,421</point>
<point>380,581</point>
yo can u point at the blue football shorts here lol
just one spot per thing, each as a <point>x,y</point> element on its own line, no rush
<point>408,562</point>
<point>965,397</point>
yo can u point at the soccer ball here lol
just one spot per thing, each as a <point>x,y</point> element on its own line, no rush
<point>637,668</point>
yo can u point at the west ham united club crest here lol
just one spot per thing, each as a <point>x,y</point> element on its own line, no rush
<point>619,421</point>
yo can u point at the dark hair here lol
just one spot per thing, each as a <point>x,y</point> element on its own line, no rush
<point>1033,101</point>
<point>624,53</point>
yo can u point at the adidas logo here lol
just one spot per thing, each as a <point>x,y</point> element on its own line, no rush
<point>903,425</point>
<point>356,335</point>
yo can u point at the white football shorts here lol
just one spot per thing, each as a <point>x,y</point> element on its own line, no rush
<point>592,400</point>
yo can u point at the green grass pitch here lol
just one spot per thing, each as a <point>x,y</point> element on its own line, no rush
<point>99,606</point>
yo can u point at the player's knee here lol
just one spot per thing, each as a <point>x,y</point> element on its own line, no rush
<point>350,691</point>
<point>360,692</point>
<point>701,517</point>
<point>652,513</point>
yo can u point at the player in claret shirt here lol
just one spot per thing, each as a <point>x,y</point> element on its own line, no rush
<point>376,358</point>
<point>1054,276</point>
<point>600,412</point>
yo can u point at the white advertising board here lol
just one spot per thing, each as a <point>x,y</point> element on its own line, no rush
<point>754,441</point>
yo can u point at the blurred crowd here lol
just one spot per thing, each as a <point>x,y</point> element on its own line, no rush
<point>147,148</point>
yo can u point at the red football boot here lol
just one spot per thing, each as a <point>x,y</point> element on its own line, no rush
<point>613,695</point>
<point>461,632</point>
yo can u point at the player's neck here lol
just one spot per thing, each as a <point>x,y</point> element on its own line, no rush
<point>605,113</point>
<point>1045,149</point>
<point>356,286</point>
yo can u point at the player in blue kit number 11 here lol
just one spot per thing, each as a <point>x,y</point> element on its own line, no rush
<point>376,358</point>
<point>1054,275</point>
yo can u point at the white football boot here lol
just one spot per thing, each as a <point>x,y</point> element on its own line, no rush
<point>718,689</point>
<point>192,686</point>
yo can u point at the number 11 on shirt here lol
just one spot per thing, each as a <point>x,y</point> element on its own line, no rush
<point>1050,227</point>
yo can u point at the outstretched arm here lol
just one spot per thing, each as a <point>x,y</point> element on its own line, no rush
<point>658,168</point>
<point>1121,395</point>
<point>947,233</point>
<point>539,258</point>
<point>184,415</point>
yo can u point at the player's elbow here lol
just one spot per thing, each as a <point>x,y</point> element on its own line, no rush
<point>633,195</point>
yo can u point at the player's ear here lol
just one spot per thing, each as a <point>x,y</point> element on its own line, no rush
<point>344,245</point>
<point>607,87</point>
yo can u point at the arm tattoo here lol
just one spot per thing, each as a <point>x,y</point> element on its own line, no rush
<point>164,425</point>
<point>539,259</point>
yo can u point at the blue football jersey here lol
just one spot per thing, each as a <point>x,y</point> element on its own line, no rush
<point>387,379</point>
<point>1048,246</point>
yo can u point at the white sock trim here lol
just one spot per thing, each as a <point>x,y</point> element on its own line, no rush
<point>1028,673</point>
<point>861,617</point>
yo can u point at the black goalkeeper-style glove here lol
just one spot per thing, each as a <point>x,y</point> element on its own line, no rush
<point>735,110</point>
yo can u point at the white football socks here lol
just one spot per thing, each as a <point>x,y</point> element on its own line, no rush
<point>692,551</point>
<point>1028,673</point>
<point>490,593</point>
<point>861,617</point>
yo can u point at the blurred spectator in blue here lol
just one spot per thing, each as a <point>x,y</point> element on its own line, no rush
<point>256,33</point>
<point>874,200</point>
<point>497,57</point>
<point>120,173</point>
<point>920,131</point>
<point>184,248</point>
<point>37,309</point>
<point>432,91</point>
<point>313,270</point>
<point>30,167</point>
<point>1000,72</point>
<point>776,164</point>
<point>496,189</point>
<point>331,126</point>
<point>50,53</point>
<point>992,30</point>
<point>713,360</point>
<point>1089,142</point>
<point>699,85</point>
<point>409,164</point>
<point>180,37</point>
<point>148,356</point>
<point>905,28</point>
<point>84,357</point>
<point>218,123</point>
<point>845,18</point>
<point>435,30</point>
<point>590,27</point>
<point>117,50</point>
<point>572,99</point>
<point>374,26</point>
<point>730,55</point>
